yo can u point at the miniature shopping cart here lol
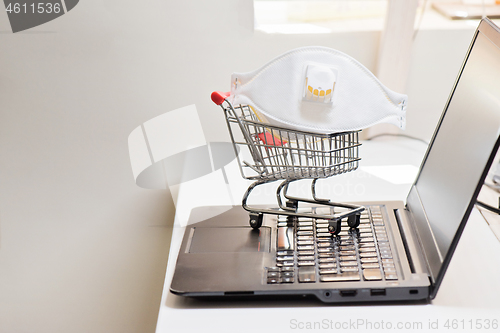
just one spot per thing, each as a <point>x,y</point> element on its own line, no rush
<point>289,155</point>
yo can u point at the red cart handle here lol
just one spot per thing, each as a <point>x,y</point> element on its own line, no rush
<point>219,97</point>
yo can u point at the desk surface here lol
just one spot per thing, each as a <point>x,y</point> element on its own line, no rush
<point>468,296</point>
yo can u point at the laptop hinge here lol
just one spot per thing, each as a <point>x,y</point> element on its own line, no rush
<point>422,232</point>
<point>411,244</point>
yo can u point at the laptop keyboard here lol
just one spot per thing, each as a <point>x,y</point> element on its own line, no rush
<point>307,253</point>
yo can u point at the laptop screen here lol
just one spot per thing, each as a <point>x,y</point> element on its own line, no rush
<point>454,167</point>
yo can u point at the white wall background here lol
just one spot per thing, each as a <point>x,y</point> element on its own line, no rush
<point>82,248</point>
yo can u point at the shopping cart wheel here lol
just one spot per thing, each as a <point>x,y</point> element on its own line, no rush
<point>256,220</point>
<point>334,227</point>
<point>353,220</point>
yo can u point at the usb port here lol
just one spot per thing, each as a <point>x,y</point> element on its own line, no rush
<point>377,292</point>
<point>348,293</point>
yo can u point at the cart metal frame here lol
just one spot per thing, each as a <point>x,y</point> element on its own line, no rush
<point>289,155</point>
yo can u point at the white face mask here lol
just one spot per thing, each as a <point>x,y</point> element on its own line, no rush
<point>318,89</point>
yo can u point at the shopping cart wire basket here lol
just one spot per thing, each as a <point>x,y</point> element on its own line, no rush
<point>289,155</point>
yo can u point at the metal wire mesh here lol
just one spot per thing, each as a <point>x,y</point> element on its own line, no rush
<point>280,153</point>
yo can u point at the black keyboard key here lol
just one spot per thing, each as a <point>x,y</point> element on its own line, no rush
<point>347,276</point>
<point>307,274</point>
<point>286,238</point>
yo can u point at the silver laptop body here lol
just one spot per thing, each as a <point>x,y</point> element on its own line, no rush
<point>399,252</point>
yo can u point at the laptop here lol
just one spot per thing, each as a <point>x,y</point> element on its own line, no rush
<point>399,252</point>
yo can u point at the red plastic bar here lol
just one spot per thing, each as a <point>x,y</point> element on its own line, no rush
<point>218,97</point>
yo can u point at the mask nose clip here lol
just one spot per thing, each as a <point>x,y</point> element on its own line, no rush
<point>319,83</point>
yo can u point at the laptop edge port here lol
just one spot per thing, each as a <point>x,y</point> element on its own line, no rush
<point>377,292</point>
<point>348,293</point>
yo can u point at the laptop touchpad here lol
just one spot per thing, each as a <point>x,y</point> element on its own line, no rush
<point>230,239</point>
